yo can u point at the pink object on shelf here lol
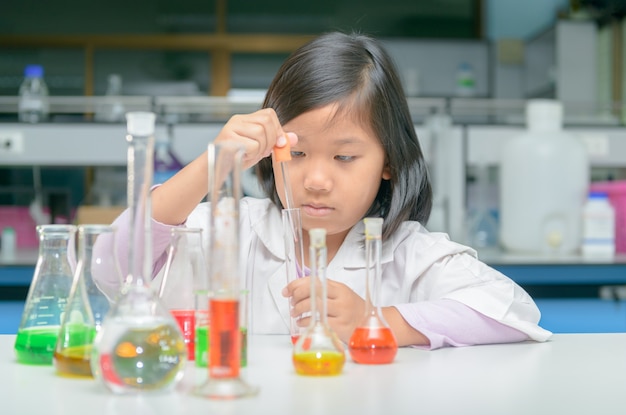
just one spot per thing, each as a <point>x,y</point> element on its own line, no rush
<point>18,217</point>
<point>616,190</point>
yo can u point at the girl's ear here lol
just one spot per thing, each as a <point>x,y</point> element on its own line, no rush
<point>386,172</point>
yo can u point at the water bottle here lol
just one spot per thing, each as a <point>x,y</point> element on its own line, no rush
<point>33,106</point>
<point>465,80</point>
<point>598,227</point>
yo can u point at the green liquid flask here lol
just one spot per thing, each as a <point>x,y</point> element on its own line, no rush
<point>87,305</point>
<point>318,351</point>
<point>47,295</point>
<point>139,347</point>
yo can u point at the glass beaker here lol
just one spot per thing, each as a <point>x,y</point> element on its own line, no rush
<point>318,351</point>
<point>185,278</point>
<point>139,347</point>
<point>225,282</point>
<point>86,306</point>
<point>294,259</point>
<point>47,295</point>
<point>373,342</point>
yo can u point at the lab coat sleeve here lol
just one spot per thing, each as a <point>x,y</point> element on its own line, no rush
<point>449,323</point>
<point>108,280</point>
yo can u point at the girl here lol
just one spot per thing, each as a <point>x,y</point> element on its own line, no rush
<point>355,153</point>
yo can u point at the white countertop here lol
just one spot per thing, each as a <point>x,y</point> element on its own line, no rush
<point>571,374</point>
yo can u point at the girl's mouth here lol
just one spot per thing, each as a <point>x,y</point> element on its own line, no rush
<point>316,210</point>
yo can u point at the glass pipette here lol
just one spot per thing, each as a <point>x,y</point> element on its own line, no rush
<point>282,155</point>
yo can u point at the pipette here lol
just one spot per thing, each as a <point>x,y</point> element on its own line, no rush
<point>283,155</point>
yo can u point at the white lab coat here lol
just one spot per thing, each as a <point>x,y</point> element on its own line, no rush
<point>417,266</point>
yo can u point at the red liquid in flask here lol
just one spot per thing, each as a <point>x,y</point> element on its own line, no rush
<point>186,320</point>
<point>225,335</point>
<point>373,346</point>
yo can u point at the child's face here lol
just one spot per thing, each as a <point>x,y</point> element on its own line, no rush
<point>335,171</point>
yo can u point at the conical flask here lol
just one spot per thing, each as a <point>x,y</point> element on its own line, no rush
<point>139,347</point>
<point>373,342</point>
<point>318,352</point>
<point>47,295</point>
<point>226,312</point>
<point>183,288</point>
<point>86,306</point>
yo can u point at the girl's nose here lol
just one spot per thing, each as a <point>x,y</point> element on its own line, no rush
<point>317,178</point>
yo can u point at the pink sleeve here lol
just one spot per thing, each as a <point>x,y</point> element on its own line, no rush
<point>108,281</point>
<point>448,322</point>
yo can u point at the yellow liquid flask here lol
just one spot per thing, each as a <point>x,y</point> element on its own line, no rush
<point>184,280</point>
<point>318,351</point>
<point>373,342</point>
<point>139,347</point>
<point>226,313</point>
<point>47,295</point>
<point>87,304</point>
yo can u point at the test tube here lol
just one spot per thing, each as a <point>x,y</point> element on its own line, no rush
<point>225,380</point>
<point>294,255</point>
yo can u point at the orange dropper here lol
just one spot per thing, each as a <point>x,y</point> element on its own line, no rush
<point>283,155</point>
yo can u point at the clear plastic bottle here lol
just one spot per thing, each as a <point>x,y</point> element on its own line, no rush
<point>544,176</point>
<point>111,108</point>
<point>34,105</point>
<point>598,227</point>
<point>166,163</point>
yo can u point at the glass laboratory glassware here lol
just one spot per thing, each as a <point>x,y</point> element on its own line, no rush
<point>185,279</point>
<point>225,282</point>
<point>373,342</point>
<point>139,347</point>
<point>86,306</point>
<point>47,295</point>
<point>294,254</point>
<point>318,351</point>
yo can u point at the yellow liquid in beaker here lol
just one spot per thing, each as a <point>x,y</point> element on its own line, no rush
<point>318,363</point>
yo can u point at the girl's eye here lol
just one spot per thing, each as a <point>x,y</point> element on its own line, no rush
<point>296,154</point>
<point>344,158</point>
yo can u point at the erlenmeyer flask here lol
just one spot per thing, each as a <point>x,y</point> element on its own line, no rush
<point>318,352</point>
<point>225,282</point>
<point>47,295</point>
<point>86,305</point>
<point>139,347</point>
<point>184,280</point>
<point>373,342</point>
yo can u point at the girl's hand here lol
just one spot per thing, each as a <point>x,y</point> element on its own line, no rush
<point>258,132</point>
<point>345,308</point>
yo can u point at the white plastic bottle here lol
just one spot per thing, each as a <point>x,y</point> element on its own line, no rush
<point>598,227</point>
<point>111,109</point>
<point>544,176</point>
<point>33,106</point>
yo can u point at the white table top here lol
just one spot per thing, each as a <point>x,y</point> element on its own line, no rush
<point>571,374</point>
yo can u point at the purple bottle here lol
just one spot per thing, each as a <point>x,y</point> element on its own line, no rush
<point>166,163</point>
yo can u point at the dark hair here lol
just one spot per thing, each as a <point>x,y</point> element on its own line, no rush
<point>356,72</point>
